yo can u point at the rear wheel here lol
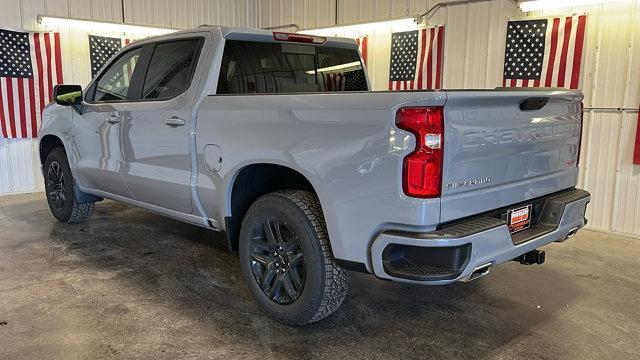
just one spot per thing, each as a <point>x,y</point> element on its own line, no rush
<point>59,186</point>
<point>286,258</point>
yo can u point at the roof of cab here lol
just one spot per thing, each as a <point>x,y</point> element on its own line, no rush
<point>246,34</point>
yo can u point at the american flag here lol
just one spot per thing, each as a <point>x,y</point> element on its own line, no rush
<point>362,46</point>
<point>416,59</point>
<point>334,82</point>
<point>101,49</point>
<point>544,52</point>
<point>30,65</point>
<point>347,81</point>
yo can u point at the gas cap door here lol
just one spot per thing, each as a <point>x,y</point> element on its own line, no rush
<point>213,157</point>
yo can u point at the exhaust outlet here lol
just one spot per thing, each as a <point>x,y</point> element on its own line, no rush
<point>572,233</point>
<point>480,271</point>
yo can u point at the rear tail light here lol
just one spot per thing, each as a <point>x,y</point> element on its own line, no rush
<point>283,36</point>
<point>422,168</point>
<point>581,128</point>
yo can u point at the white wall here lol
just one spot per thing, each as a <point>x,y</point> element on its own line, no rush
<point>474,51</point>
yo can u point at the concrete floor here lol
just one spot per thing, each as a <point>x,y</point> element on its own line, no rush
<point>132,284</point>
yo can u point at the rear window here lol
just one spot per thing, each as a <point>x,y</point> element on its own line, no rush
<point>250,67</point>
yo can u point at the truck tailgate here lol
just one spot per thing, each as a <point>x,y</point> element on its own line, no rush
<point>505,147</point>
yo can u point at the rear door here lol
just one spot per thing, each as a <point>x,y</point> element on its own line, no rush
<point>157,125</point>
<point>505,147</point>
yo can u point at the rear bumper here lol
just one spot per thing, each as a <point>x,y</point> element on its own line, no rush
<point>455,251</point>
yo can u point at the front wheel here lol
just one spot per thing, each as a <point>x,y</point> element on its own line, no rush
<point>58,184</point>
<point>286,259</point>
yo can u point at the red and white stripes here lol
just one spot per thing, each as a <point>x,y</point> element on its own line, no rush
<point>22,99</point>
<point>335,82</point>
<point>429,62</point>
<point>363,42</point>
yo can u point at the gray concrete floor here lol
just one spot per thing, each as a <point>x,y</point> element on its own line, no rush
<point>132,284</point>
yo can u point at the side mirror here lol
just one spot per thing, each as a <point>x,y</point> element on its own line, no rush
<point>67,94</point>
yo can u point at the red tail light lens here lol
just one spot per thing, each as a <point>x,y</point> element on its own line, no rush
<point>422,168</point>
<point>283,36</point>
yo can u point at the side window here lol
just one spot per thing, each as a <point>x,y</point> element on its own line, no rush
<point>171,69</point>
<point>113,85</point>
<point>264,67</point>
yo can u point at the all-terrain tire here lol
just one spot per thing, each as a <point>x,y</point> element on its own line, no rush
<point>326,284</point>
<point>69,210</point>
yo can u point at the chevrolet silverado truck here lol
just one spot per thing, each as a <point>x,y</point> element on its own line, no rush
<point>276,139</point>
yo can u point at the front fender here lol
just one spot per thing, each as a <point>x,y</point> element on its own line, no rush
<point>57,120</point>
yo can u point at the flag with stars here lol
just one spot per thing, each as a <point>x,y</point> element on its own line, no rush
<point>347,81</point>
<point>101,49</point>
<point>544,52</point>
<point>30,65</point>
<point>416,59</point>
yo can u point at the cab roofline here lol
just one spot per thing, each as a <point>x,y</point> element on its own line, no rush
<point>243,34</point>
<point>247,34</point>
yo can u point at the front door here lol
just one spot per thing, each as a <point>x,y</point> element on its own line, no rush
<point>156,127</point>
<point>97,131</point>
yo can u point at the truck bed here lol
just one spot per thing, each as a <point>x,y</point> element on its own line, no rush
<point>348,146</point>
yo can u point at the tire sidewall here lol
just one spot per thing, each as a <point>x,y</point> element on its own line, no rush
<point>274,206</point>
<point>57,155</point>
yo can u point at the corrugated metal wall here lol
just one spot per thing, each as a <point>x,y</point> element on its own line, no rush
<point>611,81</point>
<point>190,13</point>
<point>474,51</point>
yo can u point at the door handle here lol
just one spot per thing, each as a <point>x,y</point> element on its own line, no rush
<point>174,122</point>
<point>113,119</point>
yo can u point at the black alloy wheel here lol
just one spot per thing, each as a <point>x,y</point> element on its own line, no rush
<point>60,189</point>
<point>286,258</point>
<point>56,186</point>
<point>277,261</point>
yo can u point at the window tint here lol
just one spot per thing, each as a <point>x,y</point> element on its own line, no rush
<point>113,85</point>
<point>258,67</point>
<point>170,69</point>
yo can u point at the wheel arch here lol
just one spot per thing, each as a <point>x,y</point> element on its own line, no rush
<point>251,181</point>
<point>47,143</point>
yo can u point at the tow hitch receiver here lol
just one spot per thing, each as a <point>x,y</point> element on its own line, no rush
<point>532,257</point>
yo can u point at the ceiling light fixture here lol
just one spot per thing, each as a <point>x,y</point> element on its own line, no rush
<point>362,29</point>
<point>55,22</point>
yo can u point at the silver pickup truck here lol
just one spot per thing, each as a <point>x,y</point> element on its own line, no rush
<point>275,139</point>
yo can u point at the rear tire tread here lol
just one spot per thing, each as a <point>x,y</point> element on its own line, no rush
<point>336,278</point>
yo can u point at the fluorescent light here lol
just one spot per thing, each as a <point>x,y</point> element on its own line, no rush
<point>335,67</point>
<point>355,29</point>
<point>536,5</point>
<point>97,26</point>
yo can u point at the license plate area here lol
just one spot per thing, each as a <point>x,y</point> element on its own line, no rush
<point>519,219</point>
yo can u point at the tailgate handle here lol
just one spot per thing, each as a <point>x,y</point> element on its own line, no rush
<point>533,104</point>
